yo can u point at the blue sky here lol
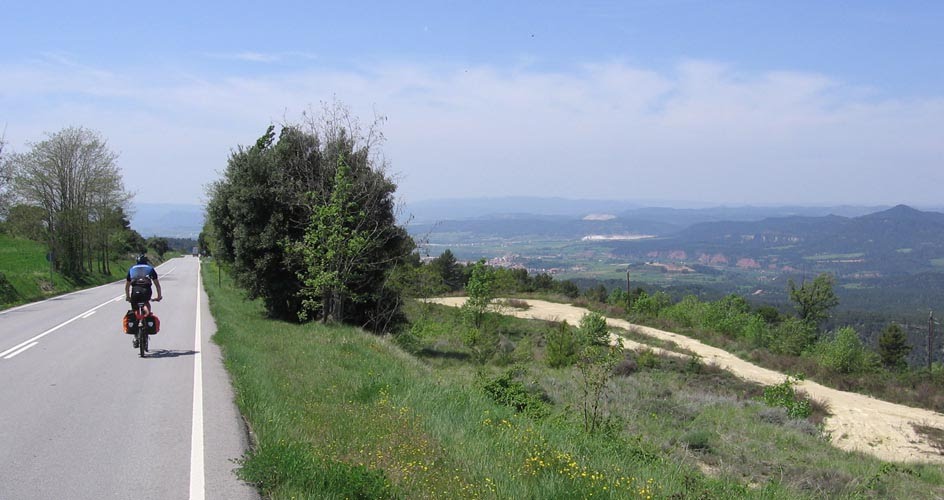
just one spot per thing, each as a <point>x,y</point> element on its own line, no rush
<point>741,102</point>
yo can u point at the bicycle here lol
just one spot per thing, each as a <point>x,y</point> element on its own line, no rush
<point>140,333</point>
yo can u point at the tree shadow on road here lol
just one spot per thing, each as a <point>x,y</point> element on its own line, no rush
<point>169,353</point>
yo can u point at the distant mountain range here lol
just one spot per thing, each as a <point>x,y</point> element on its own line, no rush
<point>899,240</point>
<point>167,219</point>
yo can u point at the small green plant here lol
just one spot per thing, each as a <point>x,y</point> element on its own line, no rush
<point>593,329</point>
<point>645,358</point>
<point>845,353</point>
<point>507,390</point>
<point>694,363</point>
<point>698,440</point>
<point>562,346</point>
<point>595,365</point>
<point>785,396</point>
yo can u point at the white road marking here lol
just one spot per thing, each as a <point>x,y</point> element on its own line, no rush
<point>197,480</point>
<point>60,325</point>
<point>14,353</point>
<point>86,315</point>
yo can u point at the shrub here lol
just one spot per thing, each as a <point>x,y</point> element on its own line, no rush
<point>651,305</point>
<point>7,292</point>
<point>893,347</point>
<point>506,390</point>
<point>844,353</point>
<point>792,336</point>
<point>270,466</point>
<point>562,346</point>
<point>593,330</point>
<point>626,366</point>
<point>698,440</point>
<point>645,358</point>
<point>785,396</point>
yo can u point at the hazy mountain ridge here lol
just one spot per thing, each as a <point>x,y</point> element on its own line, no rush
<point>167,219</point>
<point>899,240</point>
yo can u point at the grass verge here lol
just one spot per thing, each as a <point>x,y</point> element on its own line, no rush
<point>339,413</point>
<point>25,275</point>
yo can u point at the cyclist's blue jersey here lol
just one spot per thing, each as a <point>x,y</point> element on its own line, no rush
<point>142,274</point>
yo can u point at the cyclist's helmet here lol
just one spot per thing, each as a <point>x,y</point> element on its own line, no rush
<point>142,259</point>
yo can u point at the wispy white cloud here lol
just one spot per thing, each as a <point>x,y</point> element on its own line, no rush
<point>261,57</point>
<point>704,131</point>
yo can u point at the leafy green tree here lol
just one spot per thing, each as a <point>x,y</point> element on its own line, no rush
<point>481,292</point>
<point>333,251</point>
<point>593,329</point>
<point>73,177</point>
<point>6,181</point>
<point>562,345</point>
<point>159,245</point>
<point>814,299</point>
<point>845,352</point>
<point>274,193</point>
<point>595,366</point>
<point>251,213</point>
<point>543,282</point>
<point>893,347</point>
<point>651,305</point>
<point>26,221</point>
<point>791,336</point>
<point>568,289</point>
<point>449,270</point>
<point>596,294</point>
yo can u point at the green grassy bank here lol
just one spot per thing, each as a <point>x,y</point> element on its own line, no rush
<point>339,413</point>
<point>26,275</point>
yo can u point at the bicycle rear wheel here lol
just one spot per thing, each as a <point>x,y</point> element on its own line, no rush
<point>142,340</point>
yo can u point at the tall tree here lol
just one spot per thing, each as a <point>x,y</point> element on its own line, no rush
<point>263,207</point>
<point>334,250</point>
<point>449,270</point>
<point>893,346</point>
<point>6,179</point>
<point>814,299</point>
<point>70,175</point>
<point>159,245</point>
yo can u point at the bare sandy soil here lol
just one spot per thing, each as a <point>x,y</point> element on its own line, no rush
<point>858,423</point>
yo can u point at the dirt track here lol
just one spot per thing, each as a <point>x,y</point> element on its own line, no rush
<point>858,423</point>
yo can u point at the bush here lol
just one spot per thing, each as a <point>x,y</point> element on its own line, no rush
<point>698,440</point>
<point>626,367</point>
<point>562,346</point>
<point>7,292</point>
<point>268,468</point>
<point>844,353</point>
<point>506,390</point>
<point>792,336</point>
<point>645,358</point>
<point>651,305</point>
<point>784,395</point>
<point>593,330</point>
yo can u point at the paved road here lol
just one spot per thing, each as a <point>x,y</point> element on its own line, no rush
<point>83,417</point>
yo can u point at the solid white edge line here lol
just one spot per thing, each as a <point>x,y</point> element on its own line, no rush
<point>20,350</point>
<point>60,325</point>
<point>197,480</point>
<point>86,315</point>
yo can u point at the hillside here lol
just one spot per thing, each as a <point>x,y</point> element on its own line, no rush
<point>899,240</point>
<point>442,424</point>
<point>27,275</point>
<point>167,219</point>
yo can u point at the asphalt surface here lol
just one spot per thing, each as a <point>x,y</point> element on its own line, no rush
<point>83,417</point>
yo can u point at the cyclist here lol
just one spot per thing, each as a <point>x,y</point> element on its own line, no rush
<point>138,284</point>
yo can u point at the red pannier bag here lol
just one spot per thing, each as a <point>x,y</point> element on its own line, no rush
<point>129,323</point>
<point>152,324</point>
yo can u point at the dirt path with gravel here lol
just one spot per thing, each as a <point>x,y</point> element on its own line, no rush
<point>858,423</point>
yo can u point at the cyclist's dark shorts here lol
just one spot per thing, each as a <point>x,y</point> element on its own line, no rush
<point>140,294</point>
